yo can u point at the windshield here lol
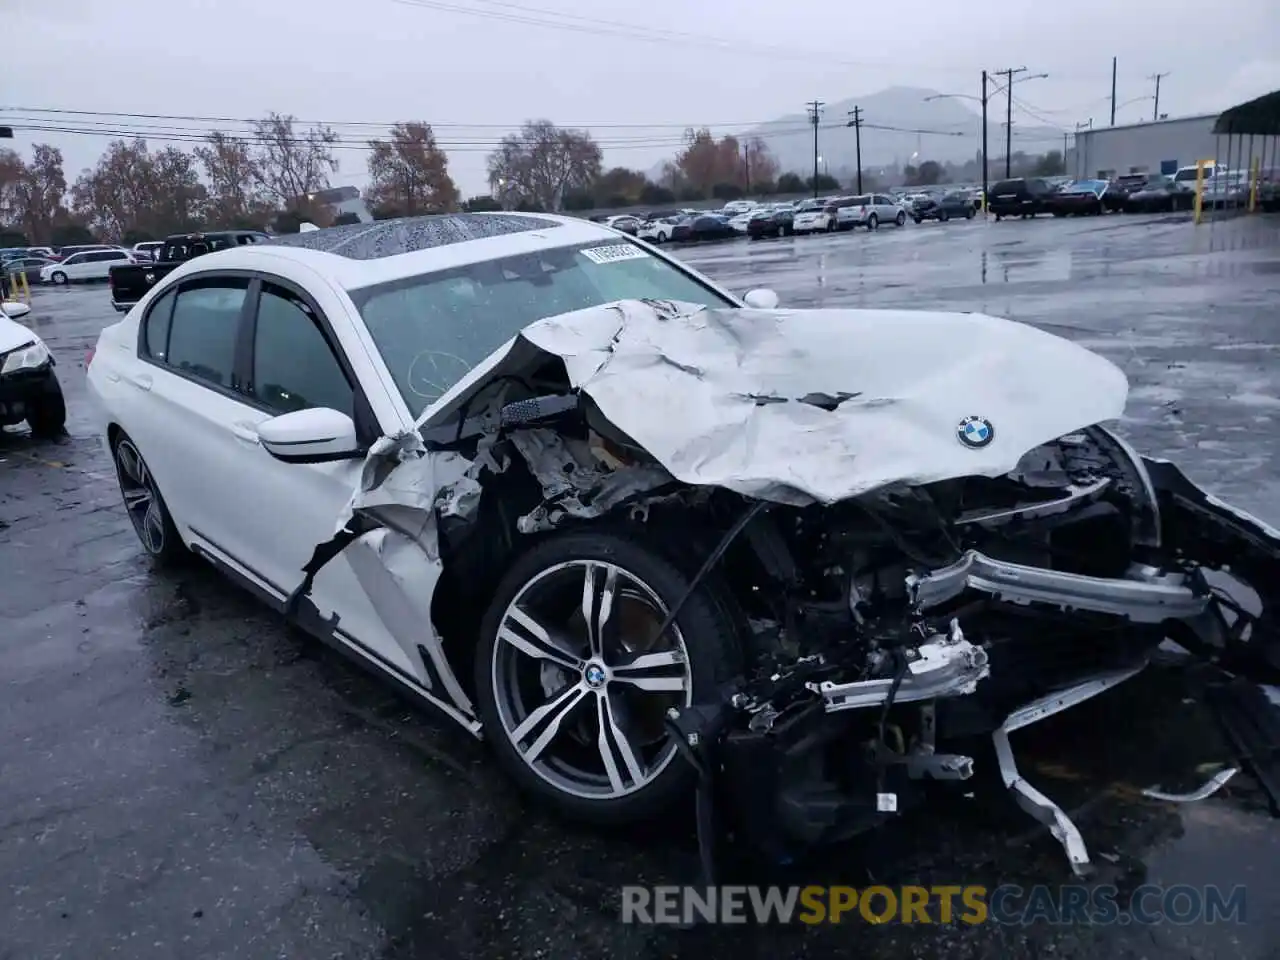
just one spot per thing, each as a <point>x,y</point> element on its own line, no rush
<point>432,329</point>
<point>1087,186</point>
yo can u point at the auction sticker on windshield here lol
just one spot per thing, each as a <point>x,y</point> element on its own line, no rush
<point>613,253</point>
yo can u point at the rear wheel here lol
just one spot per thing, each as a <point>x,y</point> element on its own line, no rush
<point>574,688</point>
<point>147,511</point>
<point>873,222</point>
<point>902,218</point>
<point>58,277</point>
<point>943,216</point>
<point>968,214</point>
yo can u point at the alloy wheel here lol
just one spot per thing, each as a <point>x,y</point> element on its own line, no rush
<point>141,499</point>
<point>581,682</point>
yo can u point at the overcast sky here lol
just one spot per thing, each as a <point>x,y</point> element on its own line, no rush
<point>476,68</point>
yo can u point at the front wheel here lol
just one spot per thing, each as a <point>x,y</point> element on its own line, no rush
<point>968,214</point>
<point>47,415</point>
<point>146,508</point>
<point>573,687</point>
<point>58,277</point>
<point>918,219</point>
<point>943,216</point>
<point>902,219</point>
<point>873,222</point>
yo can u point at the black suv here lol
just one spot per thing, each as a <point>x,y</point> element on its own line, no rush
<point>1019,197</point>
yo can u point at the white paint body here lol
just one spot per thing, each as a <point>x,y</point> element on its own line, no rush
<point>678,385</point>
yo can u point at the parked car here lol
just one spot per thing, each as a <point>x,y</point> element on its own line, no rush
<point>954,204</point>
<point>1185,177</point>
<point>85,265</point>
<point>735,208</point>
<point>660,229</point>
<point>815,217</point>
<point>29,388</point>
<point>1018,197</point>
<point>869,210</point>
<point>739,222</point>
<point>707,226</point>
<point>32,267</point>
<point>147,249</point>
<point>773,223</point>
<point>1158,194</point>
<point>626,223</point>
<point>1082,197</point>
<point>513,546</point>
<point>129,283</point>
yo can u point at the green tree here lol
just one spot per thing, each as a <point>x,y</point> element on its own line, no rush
<point>485,204</point>
<point>1050,165</point>
<point>70,233</point>
<point>822,182</point>
<point>727,191</point>
<point>790,183</point>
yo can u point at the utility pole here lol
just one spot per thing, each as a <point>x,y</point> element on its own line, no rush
<point>1113,91</point>
<point>1008,74</point>
<point>984,144</point>
<point>1155,111</point>
<point>746,166</point>
<point>855,121</point>
<point>815,112</point>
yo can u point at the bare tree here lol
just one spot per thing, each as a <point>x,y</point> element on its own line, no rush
<point>39,193</point>
<point>132,190</point>
<point>11,172</point>
<point>410,173</point>
<point>231,169</point>
<point>290,166</point>
<point>541,162</point>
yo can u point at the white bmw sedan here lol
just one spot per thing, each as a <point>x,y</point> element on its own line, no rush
<point>242,396</point>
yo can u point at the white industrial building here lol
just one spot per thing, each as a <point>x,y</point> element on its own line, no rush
<point>1157,146</point>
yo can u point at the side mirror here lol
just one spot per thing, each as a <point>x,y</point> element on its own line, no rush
<point>15,310</point>
<point>318,435</point>
<point>761,299</point>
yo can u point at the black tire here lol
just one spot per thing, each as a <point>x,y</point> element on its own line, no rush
<point>873,222</point>
<point>902,218</point>
<point>711,643</point>
<point>47,416</point>
<point>918,219</point>
<point>58,278</point>
<point>968,214</point>
<point>999,217</point>
<point>165,548</point>
<point>943,216</point>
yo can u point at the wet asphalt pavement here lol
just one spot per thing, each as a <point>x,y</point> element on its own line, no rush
<point>182,776</point>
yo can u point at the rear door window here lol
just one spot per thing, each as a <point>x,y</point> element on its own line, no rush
<point>204,329</point>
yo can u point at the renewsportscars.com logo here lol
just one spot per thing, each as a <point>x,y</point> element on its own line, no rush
<point>1008,905</point>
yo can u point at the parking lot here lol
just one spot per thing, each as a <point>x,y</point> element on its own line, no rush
<point>183,776</point>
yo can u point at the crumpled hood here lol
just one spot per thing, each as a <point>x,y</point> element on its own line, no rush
<point>716,395</point>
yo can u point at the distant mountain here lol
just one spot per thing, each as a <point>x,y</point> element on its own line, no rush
<point>948,129</point>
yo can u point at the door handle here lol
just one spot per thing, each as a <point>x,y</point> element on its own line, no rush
<point>246,432</point>
<point>142,381</point>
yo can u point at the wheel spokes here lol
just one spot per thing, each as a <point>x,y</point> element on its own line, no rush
<point>533,640</point>
<point>660,672</point>
<point>550,717</point>
<point>614,746</point>
<point>599,587</point>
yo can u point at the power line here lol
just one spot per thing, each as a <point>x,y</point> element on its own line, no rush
<point>574,23</point>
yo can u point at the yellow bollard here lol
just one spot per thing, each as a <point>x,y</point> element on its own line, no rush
<point>1199,201</point>
<point>1254,173</point>
<point>26,287</point>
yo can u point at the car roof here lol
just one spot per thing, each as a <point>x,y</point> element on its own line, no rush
<point>364,254</point>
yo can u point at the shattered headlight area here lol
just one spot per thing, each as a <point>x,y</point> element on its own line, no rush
<point>873,611</point>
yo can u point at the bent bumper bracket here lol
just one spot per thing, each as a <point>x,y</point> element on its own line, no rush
<point>1027,796</point>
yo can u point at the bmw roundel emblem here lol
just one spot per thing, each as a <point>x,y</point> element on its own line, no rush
<point>975,432</point>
